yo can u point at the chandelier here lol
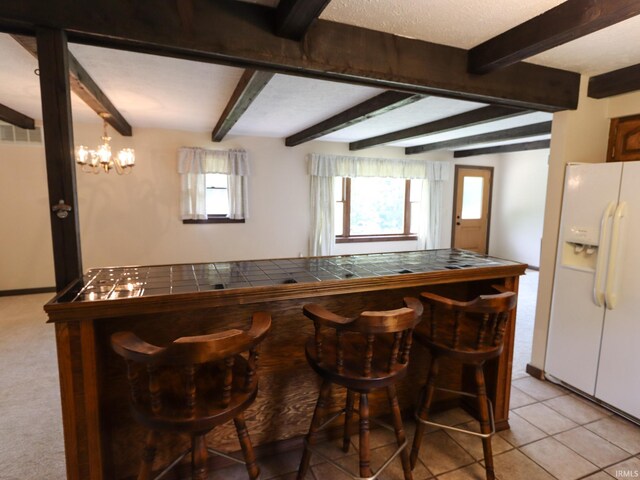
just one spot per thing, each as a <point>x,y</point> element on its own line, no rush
<point>92,161</point>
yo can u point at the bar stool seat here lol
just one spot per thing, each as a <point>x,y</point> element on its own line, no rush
<point>191,386</point>
<point>362,354</point>
<point>470,333</point>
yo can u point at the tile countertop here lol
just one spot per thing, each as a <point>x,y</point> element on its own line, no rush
<point>143,281</point>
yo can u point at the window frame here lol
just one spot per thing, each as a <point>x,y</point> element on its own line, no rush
<point>346,236</point>
<point>215,219</point>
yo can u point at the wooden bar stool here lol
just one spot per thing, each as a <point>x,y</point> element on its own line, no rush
<point>470,332</point>
<point>364,353</point>
<point>190,387</point>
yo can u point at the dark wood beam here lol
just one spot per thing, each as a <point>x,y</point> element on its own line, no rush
<point>383,103</point>
<point>243,36</point>
<point>512,147</point>
<point>294,17</point>
<point>86,88</point>
<point>249,87</point>
<point>16,118</point>
<point>543,128</point>
<point>568,21</point>
<point>53,63</point>
<point>617,82</point>
<point>466,119</point>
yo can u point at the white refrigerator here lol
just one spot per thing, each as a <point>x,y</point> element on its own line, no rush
<point>594,333</point>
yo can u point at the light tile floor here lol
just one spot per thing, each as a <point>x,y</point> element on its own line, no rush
<point>554,434</point>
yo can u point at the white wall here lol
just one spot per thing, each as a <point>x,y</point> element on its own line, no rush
<point>26,258</point>
<point>134,219</point>
<point>519,213</point>
<point>577,136</point>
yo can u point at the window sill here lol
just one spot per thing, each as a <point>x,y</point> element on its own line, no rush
<point>375,238</point>
<point>214,219</point>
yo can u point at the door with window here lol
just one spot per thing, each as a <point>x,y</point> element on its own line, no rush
<point>472,208</point>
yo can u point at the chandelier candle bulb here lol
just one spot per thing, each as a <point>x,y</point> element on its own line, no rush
<point>92,161</point>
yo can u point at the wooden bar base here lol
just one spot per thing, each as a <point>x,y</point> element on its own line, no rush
<point>103,442</point>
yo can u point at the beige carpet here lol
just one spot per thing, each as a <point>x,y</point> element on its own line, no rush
<point>31,442</point>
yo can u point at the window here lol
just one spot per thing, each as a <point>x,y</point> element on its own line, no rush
<point>217,197</point>
<point>213,185</point>
<point>376,209</point>
<point>217,200</point>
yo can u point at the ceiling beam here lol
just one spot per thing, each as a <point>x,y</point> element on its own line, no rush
<point>512,147</point>
<point>383,103</point>
<point>294,17</point>
<point>249,87</point>
<point>617,82</point>
<point>568,21</point>
<point>543,128</point>
<point>243,36</point>
<point>16,118</point>
<point>57,124</point>
<point>86,88</point>
<point>466,119</point>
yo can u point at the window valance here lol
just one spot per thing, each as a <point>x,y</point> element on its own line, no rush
<point>321,165</point>
<point>201,161</point>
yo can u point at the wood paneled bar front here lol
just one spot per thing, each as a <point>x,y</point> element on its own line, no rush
<point>161,303</point>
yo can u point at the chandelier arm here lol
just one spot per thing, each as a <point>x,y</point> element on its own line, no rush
<point>103,159</point>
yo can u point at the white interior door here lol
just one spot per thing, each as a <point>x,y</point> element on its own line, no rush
<point>576,321</point>
<point>619,372</point>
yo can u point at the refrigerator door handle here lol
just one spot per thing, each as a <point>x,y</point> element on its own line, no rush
<point>598,289</point>
<point>611,291</point>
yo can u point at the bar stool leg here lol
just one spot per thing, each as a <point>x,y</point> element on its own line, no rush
<point>316,421</point>
<point>399,429</point>
<point>485,425</point>
<point>148,455</point>
<point>199,458</point>
<point>247,448</point>
<point>423,411</point>
<point>348,415</point>
<point>365,449</point>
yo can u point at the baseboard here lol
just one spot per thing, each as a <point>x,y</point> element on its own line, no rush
<point>26,291</point>
<point>535,372</point>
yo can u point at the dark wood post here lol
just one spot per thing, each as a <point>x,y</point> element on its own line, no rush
<point>53,62</point>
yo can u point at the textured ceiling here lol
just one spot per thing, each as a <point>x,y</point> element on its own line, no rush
<point>602,51</point>
<point>162,92</point>
<point>462,24</point>
<point>519,121</point>
<point>290,104</point>
<point>467,23</point>
<point>19,85</point>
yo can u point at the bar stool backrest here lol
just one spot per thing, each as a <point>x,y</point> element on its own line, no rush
<point>187,363</point>
<point>475,325</point>
<point>333,333</point>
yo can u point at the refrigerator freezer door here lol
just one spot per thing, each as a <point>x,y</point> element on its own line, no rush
<point>618,381</point>
<point>576,321</point>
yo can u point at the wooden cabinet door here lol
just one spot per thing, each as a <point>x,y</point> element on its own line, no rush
<point>624,139</point>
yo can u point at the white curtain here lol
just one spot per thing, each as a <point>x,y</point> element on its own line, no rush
<point>195,163</point>
<point>322,235</point>
<point>431,204</point>
<point>323,169</point>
